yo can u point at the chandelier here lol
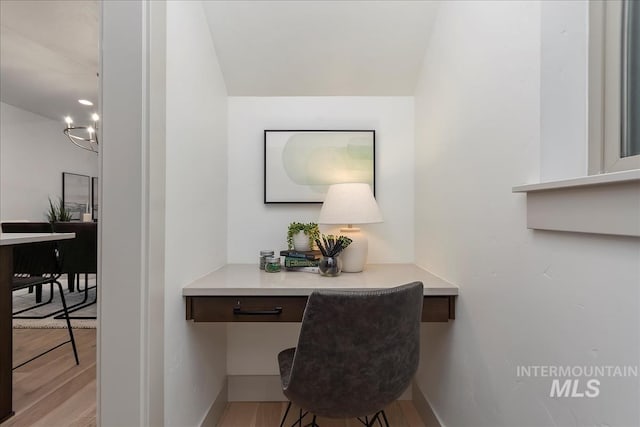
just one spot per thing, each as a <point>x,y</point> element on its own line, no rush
<point>85,137</point>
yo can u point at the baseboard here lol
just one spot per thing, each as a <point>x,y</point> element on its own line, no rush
<point>265,388</point>
<point>421,404</point>
<point>217,407</point>
<point>255,388</point>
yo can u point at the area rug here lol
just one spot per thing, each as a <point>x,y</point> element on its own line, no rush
<point>23,299</point>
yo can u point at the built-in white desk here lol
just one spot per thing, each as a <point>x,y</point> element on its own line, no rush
<point>244,293</point>
<point>7,241</point>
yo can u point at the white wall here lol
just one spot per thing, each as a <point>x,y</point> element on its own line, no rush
<point>563,89</point>
<point>38,142</point>
<point>526,297</point>
<point>254,226</point>
<point>196,213</point>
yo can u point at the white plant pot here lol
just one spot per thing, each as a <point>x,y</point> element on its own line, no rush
<point>301,242</point>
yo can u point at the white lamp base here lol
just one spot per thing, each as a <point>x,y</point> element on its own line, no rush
<point>354,257</point>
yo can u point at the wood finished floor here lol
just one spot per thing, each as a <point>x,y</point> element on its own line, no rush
<point>52,391</point>
<point>268,414</point>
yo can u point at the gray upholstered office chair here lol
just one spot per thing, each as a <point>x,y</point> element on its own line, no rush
<point>357,352</point>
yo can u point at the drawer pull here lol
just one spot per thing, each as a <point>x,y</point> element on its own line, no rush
<point>238,310</point>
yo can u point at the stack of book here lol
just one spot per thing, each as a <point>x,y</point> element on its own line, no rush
<point>301,260</point>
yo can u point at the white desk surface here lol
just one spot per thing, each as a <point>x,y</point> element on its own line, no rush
<point>248,279</point>
<point>7,239</point>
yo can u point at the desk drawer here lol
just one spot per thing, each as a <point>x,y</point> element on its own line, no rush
<point>246,309</point>
<point>438,308</point>
<point>287,308</point>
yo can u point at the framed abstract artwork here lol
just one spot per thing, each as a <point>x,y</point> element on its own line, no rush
<point>76,194</point>
<point>300,165</point>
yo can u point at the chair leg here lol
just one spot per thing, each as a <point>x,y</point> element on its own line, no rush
<point>82,304</point>
<point>301,416</point>
<point>373,420</point>
<point>313,423</point>
<point>69,329</point>
<point>376,417</point>
<point>71,279</point>
<point>285,414</point>
<point>36,305</point>
<point>66,316</point>
<point>384,416</point>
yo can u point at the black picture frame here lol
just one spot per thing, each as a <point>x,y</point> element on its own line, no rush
<point>300,164</point>
<point>76,194</point>
<point>94,198</point>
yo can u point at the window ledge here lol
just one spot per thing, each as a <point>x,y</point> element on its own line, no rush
<point>603,204</point>
<point>583,181</point>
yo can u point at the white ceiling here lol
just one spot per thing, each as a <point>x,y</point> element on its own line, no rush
<point>323,48</point>
<point>49,56</point>
<point>49,50</point>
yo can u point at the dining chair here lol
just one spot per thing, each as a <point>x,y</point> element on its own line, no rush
<point>30,227</point>
<point>39,264</point>
<point>357,352</point>
<point>79,257</point>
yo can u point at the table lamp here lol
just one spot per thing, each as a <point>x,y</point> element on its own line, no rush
<point>351,203</point>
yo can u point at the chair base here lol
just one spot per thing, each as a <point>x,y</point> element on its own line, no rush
<point>38,301</point>
<point>82,304</point>
<point>377,417</point>
<point>59,314</point>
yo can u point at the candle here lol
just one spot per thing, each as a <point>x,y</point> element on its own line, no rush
<point>86,217</point>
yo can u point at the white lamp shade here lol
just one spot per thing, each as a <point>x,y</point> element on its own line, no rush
<point>350,203</point>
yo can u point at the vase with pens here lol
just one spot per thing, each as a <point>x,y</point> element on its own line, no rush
<point>331,246</point>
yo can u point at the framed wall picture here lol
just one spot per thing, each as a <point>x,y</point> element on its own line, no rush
<point>76,194</point>
<point>94,198</point>
<point>300,165</point>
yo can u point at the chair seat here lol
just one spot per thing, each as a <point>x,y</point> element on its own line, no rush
<point>285,360</point>
<point>18,282</point>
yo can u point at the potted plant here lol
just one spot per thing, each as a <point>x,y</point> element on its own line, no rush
<point>57,212</point>
<point>301,236</point>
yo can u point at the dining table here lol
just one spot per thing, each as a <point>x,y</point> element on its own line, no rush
<point>7,242</point>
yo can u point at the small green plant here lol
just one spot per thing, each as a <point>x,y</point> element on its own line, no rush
<point>310,229</point>
<point>57,212</point>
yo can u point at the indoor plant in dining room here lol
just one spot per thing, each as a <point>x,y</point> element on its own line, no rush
<point>301,236</point>
<point>57,212</point>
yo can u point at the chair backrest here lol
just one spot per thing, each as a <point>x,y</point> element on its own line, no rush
<point>27,227</point>
<point>357,350</point>
<point>79,255</point>
<point>33,258</point>
<point>36,259</point>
